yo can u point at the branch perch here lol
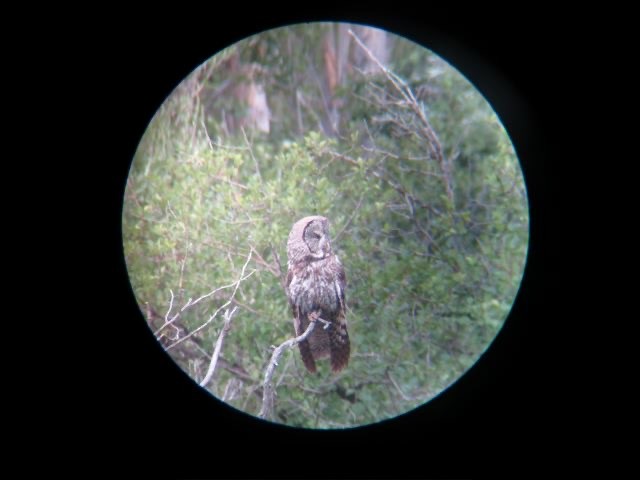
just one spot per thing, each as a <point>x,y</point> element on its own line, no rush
<point>268,392</point>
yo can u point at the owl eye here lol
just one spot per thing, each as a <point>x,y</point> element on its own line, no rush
<point>317,235</point>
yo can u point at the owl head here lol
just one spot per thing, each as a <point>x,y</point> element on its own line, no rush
<point>309,237</point>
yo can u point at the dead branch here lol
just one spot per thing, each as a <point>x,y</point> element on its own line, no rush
<point>191,302</point>
<point>410,100</point>
<point>261,261</point>
<point>216,352</point>
<point>268,392</point>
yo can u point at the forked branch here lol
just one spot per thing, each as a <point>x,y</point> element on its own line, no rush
<point>268,392</point>
<point>191,302</point>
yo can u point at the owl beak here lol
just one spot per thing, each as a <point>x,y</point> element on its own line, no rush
<point>327,248</point>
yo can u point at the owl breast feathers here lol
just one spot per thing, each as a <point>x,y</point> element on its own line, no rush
<point>315,287</point>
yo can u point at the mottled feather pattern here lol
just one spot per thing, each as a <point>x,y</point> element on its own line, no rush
<point>315,286</point>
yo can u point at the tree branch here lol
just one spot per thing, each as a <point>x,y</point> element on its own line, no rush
<point>268,392</point>
<point>190,303</point>
<point>216,352</point>
<point>411,101</point>
<point>261,261</point>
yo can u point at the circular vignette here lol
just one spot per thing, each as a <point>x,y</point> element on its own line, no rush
<point>419,182</point>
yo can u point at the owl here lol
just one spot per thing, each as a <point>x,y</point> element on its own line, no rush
<point>315,288</point>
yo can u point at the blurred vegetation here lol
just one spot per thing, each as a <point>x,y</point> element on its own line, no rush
<point>431,276</point>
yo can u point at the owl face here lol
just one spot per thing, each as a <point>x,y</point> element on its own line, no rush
<point>316,237</point>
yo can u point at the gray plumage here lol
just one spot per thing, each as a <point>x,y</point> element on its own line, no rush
<point>315,286</point>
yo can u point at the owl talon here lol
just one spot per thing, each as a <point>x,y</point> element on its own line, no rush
<point>326,324</point>
<point>315,316</point>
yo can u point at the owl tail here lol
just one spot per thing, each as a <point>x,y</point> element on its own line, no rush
<point>339,345</point>
<point>307,356</point>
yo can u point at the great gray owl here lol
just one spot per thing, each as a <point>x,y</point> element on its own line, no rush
<point>315,288</point>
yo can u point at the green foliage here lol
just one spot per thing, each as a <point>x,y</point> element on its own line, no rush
<point>431,277</point>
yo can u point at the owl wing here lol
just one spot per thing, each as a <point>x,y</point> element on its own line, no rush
<point>338,335</point>
<point>340,283</point>
<point>300,323</point>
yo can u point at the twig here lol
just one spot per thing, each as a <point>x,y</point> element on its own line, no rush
<point>238,371</point>
<point>261,261</point>
<point>192,302</point>
<point>267,390</point>
<point>410,99</point>
<point>246,307</point>
<point>216,352</point>
<point>225,305</point>
<point>394,383</point>
<point>166,321</point>
<point>229,181</point>
<point>206,132</point>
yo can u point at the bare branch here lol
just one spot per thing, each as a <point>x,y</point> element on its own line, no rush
<point>393,78</point>
<point>246,307</point>
<point>229,181</point>
<point>236,284</point>
<point>167,322</point>
<point>411,101</point>
<point>261,261</point>
<point>216,352</point>
<point>234,369</point>
<point>268,392</point>
<point>191,302</point>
